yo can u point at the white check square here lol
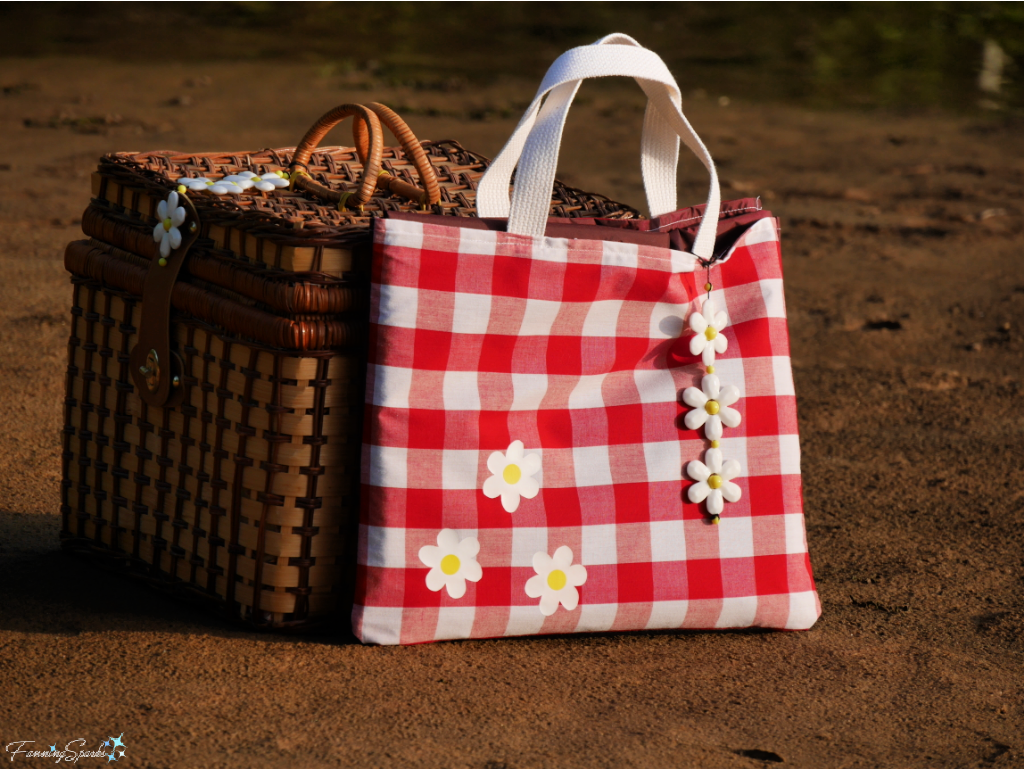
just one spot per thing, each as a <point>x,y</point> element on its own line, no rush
<point>667,614</point>
<point>596,617</point>
<point>599,546</point>
<point>664,462</point>
<point>538,317</point>
<point>655,385</point>
<point>381,623</point>
<point>796,536</point>
<point>667,321</point>
<point>526,542</point>
<point>782,372</point>
<point>619,254</point>
<point>391,387</point>
<point>389,467</point>
<point>668,541</point>
<point>398,306</point>
<point>602,318</point>
<point>454,622</point>
<point>587,393</point>
<point>774,299</point>
<point>735,537</point>
<point>789,454</point>
<point>385,547</point>
<point>461,391</point>
<point>459,468</point>
<point>404,234</point>
<point>472,313</point>
<point>478,242</point>
<point>592,465</point>
<point>738,612</point>
<point>528,391</point>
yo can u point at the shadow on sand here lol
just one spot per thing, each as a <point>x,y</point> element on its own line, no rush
<point>61,593</point>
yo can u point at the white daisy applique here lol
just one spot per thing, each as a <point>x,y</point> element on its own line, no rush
<point>707,324</point>
<point>166,232</point>
<point>511,476</point>
<point>451,563</point>
<point>711,407</point>
<point>235,184</point>
<point>714,482</point>
<point>556,581</point>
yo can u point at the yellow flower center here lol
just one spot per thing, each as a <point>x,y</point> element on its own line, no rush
<point>450,564</point>
<point>168,224</point>
<point>715,444</point>
<point>715,481</point>
<point>710,333</point>
<point>512,474</point>
<point>556,579</point>
<point>711,407</point>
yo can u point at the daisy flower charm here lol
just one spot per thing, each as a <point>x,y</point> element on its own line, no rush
<point>714,482</point>
<point>556,581</point>
<point>196,184</point>
<point>711,407</point>
<point>707,325</point>
<point>451,563</point>
<point>510,476</point>
<point>166,232</point>
<point>235,184</point>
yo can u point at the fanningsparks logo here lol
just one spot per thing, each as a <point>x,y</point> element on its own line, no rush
<point>111,749</point>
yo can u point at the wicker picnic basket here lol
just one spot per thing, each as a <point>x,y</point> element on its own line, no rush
<point>215,387</point>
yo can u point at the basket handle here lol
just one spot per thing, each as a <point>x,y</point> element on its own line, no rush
<point>366,130</point>
<point>430,194</point>
<point>300,178</point>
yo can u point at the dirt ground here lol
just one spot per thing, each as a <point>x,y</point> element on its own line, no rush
<point>902,239</point>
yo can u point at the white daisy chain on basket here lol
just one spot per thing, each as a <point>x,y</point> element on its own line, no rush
<point>708,339</point>
<point>236,184</point>
<point>171,216</point>
<point>511,476</point>
<point>710,406</point>
<point>714,481</point>
<point>196,184</point>
<point>556,581</point>
<point>451,563</point>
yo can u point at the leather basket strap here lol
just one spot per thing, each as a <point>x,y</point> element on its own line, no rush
<point>155,368</point>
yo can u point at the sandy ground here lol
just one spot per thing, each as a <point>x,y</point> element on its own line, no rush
<point>903,245</point>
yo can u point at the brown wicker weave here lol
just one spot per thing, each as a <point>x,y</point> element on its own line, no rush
<point>244,493</point>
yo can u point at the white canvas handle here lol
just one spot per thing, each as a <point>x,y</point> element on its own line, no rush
<point>535,143</point>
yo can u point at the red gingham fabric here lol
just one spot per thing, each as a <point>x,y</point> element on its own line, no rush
<point>580,350</point>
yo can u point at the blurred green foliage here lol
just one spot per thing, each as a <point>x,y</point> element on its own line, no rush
<point>892,55</point>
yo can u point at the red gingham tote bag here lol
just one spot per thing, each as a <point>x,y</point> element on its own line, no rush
<point>565,430</point>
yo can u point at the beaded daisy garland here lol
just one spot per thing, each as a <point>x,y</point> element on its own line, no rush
<point>711,404</point>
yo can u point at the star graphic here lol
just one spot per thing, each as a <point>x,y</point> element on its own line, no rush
<point>111,757</point>
<point>117,741</point>
<point>121,754</point>
<point>53,748</point>
<point>106,744</point>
